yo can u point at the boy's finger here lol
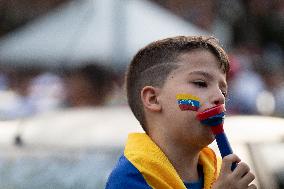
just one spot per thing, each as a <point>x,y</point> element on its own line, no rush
<point>248,178</point>
<point>252,186</point>
<point>241,170</point>
<point>228,160</point>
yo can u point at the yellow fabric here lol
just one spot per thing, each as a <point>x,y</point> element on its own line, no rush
<point>157,170</point>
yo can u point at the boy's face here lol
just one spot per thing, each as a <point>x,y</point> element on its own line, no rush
<point>198,74</point>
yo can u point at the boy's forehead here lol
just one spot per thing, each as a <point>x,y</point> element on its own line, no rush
<point>197,62</point>
<point>197,59</point>
<point>197,54</point>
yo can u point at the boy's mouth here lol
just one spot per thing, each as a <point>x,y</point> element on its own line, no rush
<point>213,116</point>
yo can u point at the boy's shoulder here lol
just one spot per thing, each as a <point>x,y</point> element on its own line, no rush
<point>126,175</point>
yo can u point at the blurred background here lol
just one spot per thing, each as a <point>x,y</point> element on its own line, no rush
<point>63,111</point>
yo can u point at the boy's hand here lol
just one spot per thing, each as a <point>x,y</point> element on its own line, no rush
<point>240,178</point>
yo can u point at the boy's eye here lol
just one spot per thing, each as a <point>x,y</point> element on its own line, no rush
<point>202,84</point>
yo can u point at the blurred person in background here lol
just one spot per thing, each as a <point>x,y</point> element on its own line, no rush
<point>88,85</point>
<point>246,84</point>
<point>46,91</point>
<point>272,70</point>
<point>31,90</point>
<point>15,101</point>
<point>28,91</point>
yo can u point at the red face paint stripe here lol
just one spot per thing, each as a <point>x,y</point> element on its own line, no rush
<point>185,107</point>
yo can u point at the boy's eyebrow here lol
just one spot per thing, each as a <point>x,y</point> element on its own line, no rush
<point>205,74</point>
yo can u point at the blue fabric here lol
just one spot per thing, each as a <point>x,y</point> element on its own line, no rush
<point>198,184</point>
<point>195,185</point>
<point>125,176</point>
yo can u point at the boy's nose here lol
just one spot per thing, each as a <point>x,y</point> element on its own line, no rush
<point>217,98</point>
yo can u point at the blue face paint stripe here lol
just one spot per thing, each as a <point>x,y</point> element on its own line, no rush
<point>189,102</point>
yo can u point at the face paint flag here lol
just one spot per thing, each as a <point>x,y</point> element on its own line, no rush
<point>188,102</point>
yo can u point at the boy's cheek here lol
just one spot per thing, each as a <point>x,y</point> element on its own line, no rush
<point>204,105</point>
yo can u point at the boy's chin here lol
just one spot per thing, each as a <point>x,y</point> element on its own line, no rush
<point>212,139</point>
<point>208,139</point>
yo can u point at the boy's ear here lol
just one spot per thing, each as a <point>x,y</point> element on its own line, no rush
<point>149,97</point>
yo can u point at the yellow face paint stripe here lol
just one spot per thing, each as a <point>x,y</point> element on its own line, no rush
<point>187,96</point>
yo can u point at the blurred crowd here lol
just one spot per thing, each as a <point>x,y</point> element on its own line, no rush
<point>28,91</point>
<point>250,31</point>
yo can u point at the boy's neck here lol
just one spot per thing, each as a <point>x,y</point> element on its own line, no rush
<point>185,161</point>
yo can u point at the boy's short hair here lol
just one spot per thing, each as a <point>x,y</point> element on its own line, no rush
<point>153,63</point>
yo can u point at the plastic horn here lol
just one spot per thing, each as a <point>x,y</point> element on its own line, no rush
<point>214,117</point>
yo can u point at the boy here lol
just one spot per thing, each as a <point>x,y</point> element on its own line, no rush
<point>173,152</point>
